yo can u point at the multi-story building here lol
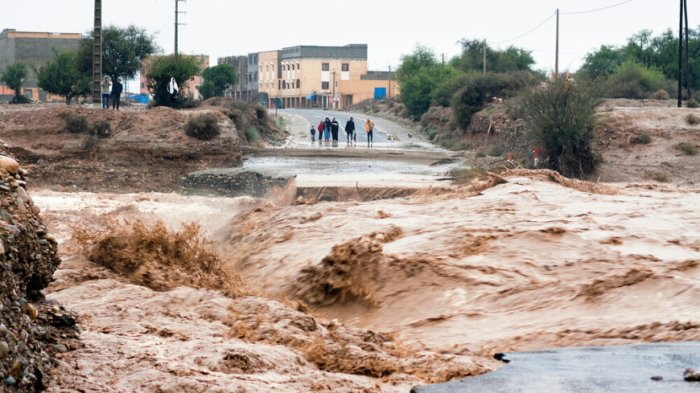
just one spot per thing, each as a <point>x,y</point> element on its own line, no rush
<point>320,76</point>
<point>34,49</point>
<point>269,76</point>
<point>239,90</point>
<point>253,77</point>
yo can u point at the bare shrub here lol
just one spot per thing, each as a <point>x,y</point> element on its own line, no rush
<point>156,257</point>
<point>75,123</point>
<point>562,116</point>
<point>661,177</point>
<point>642,138</point>
<point>692,119</point>
<point>692,104</point>
<point>660,94</point>
<point>687,148</point>
<point>204,126</point>
<point>101,129</point>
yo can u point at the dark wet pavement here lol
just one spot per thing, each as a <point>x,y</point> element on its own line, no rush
<point>590,370</point>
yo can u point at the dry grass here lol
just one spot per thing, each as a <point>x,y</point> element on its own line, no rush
<point>156,257</point>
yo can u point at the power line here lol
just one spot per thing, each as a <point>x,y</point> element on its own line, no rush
<point>527,32</point>
<point>597,9</point>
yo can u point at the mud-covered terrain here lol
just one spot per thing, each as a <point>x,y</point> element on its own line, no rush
<point>399,280</point>
<point>91,149</point>
<point>526,261</point>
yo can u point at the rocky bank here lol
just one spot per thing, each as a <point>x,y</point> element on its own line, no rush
<point>30,329</point>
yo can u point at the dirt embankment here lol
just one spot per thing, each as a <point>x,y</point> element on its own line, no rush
<point>142,150</point>
<point>31,329</point>
<point>648,141</point>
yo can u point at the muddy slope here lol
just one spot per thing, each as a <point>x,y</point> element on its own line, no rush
<point>145,150</point>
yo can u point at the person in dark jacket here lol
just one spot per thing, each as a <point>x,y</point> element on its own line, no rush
<point>350,131</point>
<point>327,130</point>
<point>334,130</point>
<point>117,88</point>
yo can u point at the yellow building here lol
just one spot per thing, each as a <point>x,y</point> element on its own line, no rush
<point>317,76</point>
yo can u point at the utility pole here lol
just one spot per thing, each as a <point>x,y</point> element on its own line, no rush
<point>484,56</point>
<point>97,54</point>
<point>687,58</point>
<point>177,15</point>
<point>389,96</point>
<point>443,58</point>
<point>556,53</point>
<point>680,56</point>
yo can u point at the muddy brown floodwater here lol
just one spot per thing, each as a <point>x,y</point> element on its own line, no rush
<point>532,263</point>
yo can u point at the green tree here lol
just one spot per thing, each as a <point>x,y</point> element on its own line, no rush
<point>61,77</point>
<point>161,68</point>
<point>419,75</point>
<point>215,80</point>
<point>562,116</point>
<point>123,51</point>
<point>421,58</point>
<point>508,60</point>
<point>13,77</point>
<point>634,80</point>
<point>658,52</point>
<point>601,63</point>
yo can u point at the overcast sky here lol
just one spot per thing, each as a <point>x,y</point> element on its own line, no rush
<point>391,28</point>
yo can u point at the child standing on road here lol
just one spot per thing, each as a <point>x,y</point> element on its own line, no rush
<point>312,131</point>
<point>320,128</point>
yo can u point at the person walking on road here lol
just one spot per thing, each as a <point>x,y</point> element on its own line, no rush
<point>117,88</point>
<point>369,129</point>
<point>327,130</point>
<point>334,131</point>
<point>350,132</point>
<point>106,88</point>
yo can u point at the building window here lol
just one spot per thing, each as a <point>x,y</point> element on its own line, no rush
<point>279,85</point>
<point>298,84</point>
<point>325,66</point>
<point>345,67</point>
<point>324,85</point>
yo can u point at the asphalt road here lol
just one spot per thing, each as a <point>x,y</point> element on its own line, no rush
<point>590,370</point>
<point>314,116</point>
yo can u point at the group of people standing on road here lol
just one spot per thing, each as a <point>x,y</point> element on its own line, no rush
<point>328,129</point>
<point>111,90</point>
